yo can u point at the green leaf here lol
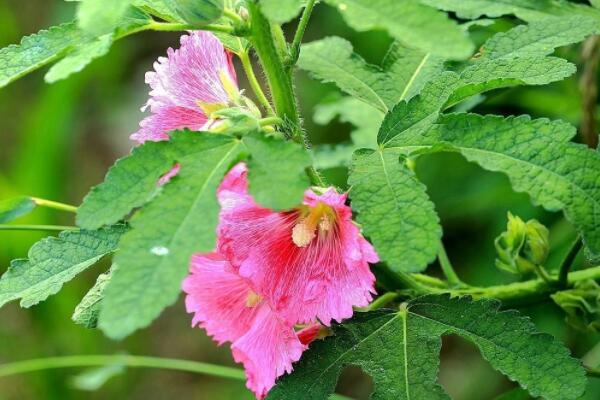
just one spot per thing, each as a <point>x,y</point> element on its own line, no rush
<point>410,22</point>
<point>281,11</point>
<point>79,58</point>
<point>196,12</point>
<point>400,351</point>
<point>527,10</point>
<point>54,261</point>
<point>419,113</point>
<point>277,171</point>
<point>99,17</point>
<point>485,75</point>
<point>158,8</point>
<point>405,71</point>
<point>11,209</point>
<point>94,378</point>
<point>539,38</point>
<point>87,311</point>
<point>394,210</point>
<point>535,154</point>
<point>181,220</point>
<point>37,50</point>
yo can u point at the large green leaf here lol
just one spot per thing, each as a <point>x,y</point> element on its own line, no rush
<point>410,22</point>
<point>281,11</point>
<point>535,154</point>
<point>100,17</point>
<point>394,210</point>
<point>277,171</point>
<point>400,351</point>
<point>539,38</point>
<point>181,220</point>
<point>528,10</point>
<point>55,260</point>
<point>405,71</point>
<point>14,208</point>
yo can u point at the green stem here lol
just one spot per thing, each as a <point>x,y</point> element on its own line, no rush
<point>592,372</point>
<point>279,81</point>
<point>232,15</point>
<point>174,26</point>
<point>296,42</point>
<point>381,301</point>
<point>315,177</point>
<point>566,264</point>
<point>430,281</point>
<point>447,268</point>
<point>54,204</point>
<point>260,95</point>
<point>37,228</point>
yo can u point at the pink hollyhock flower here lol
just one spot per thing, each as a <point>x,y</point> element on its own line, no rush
<point>226,305</point>
<point>311,262</point>
<point>197,76</point>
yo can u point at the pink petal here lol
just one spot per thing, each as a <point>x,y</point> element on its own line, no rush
<point>267,351</point>
<point>156,127</point>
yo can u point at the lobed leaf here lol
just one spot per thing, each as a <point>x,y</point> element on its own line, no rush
<point>277,171</point>
<point>410,22</point>
<point>281,11</point>
<point>54,261</point>
<point>394,210</point>
<point>400,351</point>
<point>180,221</point>
<point>537,157</point>
<point>11,209</point>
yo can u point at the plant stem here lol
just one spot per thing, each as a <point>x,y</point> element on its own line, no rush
<point>174,26</point>
<point>54,204</point>
<point>382,301</point>
<point>588,83</point>
<point>260,95</point>
<point>232,15</point>
<point>447,268</point>
<point>37,228</point>
<point>279,81</point>
<point>566,264</point>
<point>295,47</point>
<point>592,372</point>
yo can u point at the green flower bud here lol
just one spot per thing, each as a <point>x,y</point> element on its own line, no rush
<point>522,247</point>
<point>582,305</point>
<point>196,12</point>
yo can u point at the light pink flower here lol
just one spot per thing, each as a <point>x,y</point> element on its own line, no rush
<point>197,73</point>
<point>229,309</point>
<point>311,262</point>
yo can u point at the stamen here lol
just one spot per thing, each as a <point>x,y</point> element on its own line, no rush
<point>302,234</point>
<point>321,216</point>
<point>253,299</point>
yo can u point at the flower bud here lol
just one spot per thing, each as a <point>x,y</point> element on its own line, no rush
<point>523,246</point>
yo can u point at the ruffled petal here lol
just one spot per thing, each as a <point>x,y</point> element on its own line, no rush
<point>156,127</point>
<point>217,297</point>
<point>267,351</point>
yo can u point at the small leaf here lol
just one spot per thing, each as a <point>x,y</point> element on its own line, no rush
<point>87,311</point>
<point>277,171</point>
<point>400,351</point>
<point>94,378</point>
<point>54,261</point>
<point>410,22</point>
<point>79,59</point>
<point>281,11</point>
<point>181,220</point>
<point>394,210</point>
<point>11,209</point>
<point>99,17</point>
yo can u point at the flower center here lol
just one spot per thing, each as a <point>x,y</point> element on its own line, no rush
<point>253,299</point>
<point>321,216</point>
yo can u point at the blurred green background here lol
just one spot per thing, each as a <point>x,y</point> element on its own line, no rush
<point>58,140</point>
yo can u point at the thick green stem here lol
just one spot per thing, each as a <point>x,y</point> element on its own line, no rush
<point>295,47</point>
<point>54,204</point>
<point>566,264</point>
<point>260,95</point>
<point>279,81</point>
<point>447,268</point>
<point>37,228</point>
<point>382,301</point>
<point>270,121</point>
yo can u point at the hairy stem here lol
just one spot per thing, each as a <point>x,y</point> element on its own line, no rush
<point>566,264</point>
<point>260,95</point>
<point>270,121</point>
<point>588,83</point>
<point>54,204</point>
<point>279,81</point>
<point>295,47</point>
<point>37,228</point>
